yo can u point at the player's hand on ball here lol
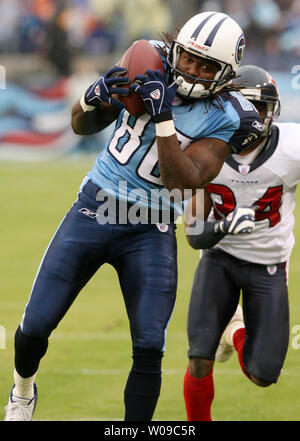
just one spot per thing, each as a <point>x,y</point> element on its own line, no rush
<point>157,96</point>
<point>106,86</point>
<point>239,221</point>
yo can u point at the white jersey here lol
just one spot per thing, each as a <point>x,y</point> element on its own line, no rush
<point>268,184</point>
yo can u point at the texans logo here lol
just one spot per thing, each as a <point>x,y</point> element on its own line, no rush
<point>240,48</point>
<point>271,80</point>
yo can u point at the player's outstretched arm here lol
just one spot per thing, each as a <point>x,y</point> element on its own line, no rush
<point>240,221</point>
<point>98,107</point>
<point>194,168</point>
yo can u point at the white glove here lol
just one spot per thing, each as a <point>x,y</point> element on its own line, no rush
<point>239,221</point>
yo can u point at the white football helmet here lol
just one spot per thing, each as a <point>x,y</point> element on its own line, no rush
<point>213,36</point>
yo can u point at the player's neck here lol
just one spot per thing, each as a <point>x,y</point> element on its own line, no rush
<point>251,154</point>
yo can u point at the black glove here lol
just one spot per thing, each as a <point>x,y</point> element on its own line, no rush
<point>157,96</point>
<point>103,89</point>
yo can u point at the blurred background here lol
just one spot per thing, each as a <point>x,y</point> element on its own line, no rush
<point>52,50</point>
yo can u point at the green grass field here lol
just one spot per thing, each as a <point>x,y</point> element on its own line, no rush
<point>83,374</point>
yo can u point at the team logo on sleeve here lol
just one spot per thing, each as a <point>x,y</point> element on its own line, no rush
<point>251,138</point>
<point>240,48</point>
<point>271,80</point>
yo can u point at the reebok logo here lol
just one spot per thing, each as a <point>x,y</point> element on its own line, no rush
<point>257,125</point>
<point>88,212</point>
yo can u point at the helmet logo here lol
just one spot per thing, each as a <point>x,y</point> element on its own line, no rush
<point>271,80</point>
<point>240,48</point>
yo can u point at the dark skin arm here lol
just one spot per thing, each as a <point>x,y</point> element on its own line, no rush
<point>199,206</point>
<point>192,169</point>
<point>88,123</point>
<point>195,167</point>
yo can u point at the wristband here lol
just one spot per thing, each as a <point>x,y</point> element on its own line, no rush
<point>165,128</point>
<point>85,107</point>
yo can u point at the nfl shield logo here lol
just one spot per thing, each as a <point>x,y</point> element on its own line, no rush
<point>155,94</point>
<point>177,101</point>
<point>163,227</point>
<point>240,48</point>
<point>272,269</point>
<point>244,169</point>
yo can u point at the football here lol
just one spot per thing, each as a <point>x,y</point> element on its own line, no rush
<point>139,57</point>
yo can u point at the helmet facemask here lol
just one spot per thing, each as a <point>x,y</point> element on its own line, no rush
<point>272,108</point>
<point>272,113</point>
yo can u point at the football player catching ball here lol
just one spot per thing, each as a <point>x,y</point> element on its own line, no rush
<point>192,123</point>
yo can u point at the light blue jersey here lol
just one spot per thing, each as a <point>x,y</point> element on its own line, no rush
<point>128,166</point>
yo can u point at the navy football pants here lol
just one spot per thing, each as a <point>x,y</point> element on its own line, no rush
<point>219,278</point>
<point>144,257</point>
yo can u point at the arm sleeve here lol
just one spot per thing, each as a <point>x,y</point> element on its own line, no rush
<point>239,124</point>
<point>208,238</point>
<point>250,124</point>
